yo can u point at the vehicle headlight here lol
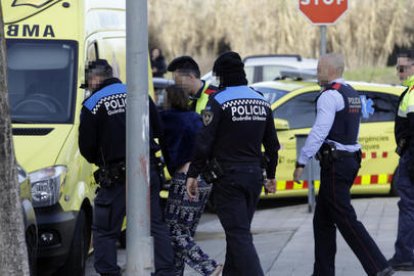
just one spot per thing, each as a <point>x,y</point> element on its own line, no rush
<point>46,185</point>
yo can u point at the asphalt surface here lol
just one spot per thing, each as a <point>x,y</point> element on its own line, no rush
<point>283,236</point>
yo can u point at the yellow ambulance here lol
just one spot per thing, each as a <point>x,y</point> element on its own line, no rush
<point>48,44</point>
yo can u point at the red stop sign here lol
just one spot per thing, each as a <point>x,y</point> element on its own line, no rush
<point>323,12</point>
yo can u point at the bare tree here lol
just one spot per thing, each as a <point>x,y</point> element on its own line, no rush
<point>13,251</point>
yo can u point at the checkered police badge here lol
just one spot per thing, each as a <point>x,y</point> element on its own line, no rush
<point>207,117</point>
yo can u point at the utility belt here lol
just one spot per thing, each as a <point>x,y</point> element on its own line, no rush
<point>111,175</point>
<point>328,153</point>
<point>215,170</point>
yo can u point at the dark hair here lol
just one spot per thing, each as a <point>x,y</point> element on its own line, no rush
<point>99,67</point>
<point>159,50</point>
<point>408,53</point>
<point>185,64</point>
<point>177,98</point>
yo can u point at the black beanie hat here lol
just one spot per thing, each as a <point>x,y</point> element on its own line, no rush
<point>229,68</point>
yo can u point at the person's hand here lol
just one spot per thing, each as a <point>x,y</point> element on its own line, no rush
<point>192,188</point>
<point>270,186</point>
<point>297,174</point>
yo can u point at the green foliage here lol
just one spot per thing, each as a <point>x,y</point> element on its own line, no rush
<point>386,75</point>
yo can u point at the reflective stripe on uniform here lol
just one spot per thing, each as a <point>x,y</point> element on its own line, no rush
<point>407,104</point>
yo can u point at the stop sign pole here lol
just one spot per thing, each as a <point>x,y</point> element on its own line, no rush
<point>323,31</point>
<point>323,13</point>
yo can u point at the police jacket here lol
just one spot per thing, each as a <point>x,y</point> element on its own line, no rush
<point>200,99</point>
<point>404,120</point>
<point>338,111</point>
<point>102,132</point>
<point>237,121</point>
<point>345,127</point>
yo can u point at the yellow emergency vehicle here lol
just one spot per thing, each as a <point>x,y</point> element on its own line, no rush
<point>294,110</point>
<point>48,44</point>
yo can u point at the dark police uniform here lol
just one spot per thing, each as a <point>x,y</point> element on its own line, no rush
<point>237,120</point>
<point>403,258</point>
<point>102,142</point>
<point>340,159</point>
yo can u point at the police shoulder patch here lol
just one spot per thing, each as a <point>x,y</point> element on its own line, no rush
<point>207,116</point>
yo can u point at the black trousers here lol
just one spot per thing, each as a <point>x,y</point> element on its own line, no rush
<point>236,195</point>
<point>109,213</point>
<point>334,210</point>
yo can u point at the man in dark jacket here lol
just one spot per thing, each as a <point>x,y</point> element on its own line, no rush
<point>102,141</point>
<point>186,74</point>
<point>237,121</point>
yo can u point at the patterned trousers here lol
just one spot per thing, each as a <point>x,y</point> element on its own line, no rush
<point>182,217</point>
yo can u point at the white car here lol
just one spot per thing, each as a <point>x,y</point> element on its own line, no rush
<point>269,67</point>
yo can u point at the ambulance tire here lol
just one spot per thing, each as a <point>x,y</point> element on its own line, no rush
<point>31,243</point>
<point>393,190</point>
<point>76,262</point>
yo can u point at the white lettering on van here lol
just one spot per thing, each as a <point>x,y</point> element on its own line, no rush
<point>30,31</point>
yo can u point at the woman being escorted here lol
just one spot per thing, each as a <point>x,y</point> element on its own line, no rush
<point>181,214</point>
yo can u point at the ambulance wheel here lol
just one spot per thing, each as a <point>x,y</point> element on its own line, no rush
<point>31,242</point>
<point>76,262</point>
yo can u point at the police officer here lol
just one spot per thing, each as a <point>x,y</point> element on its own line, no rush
<point>334,136</point>
<point>102,142</point>
<point>186,74</point>
<point>237,120</point>
<point>403,258</point>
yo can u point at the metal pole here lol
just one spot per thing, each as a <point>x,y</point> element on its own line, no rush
<point>139,242</point>
<point>323,40</point>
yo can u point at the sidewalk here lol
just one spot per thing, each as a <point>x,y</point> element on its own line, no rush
<point>284,238</point>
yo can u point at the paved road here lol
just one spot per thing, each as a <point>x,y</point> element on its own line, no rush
<point>284,238</point>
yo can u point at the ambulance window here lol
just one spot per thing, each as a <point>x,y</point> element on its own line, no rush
<point>249,70</point>
<point>92,52</point>
<point>42,80</point>
<point>378,107</point>
<point>299,111</point>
